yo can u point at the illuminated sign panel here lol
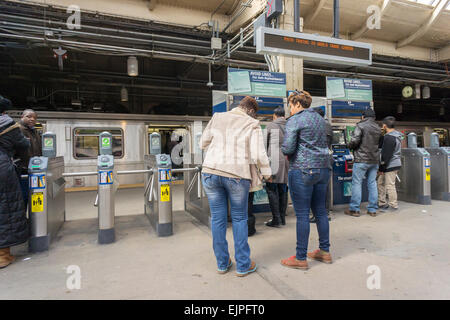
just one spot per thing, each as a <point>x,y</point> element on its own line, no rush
<point>312,47</point>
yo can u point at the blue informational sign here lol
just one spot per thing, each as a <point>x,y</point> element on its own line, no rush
<point>348,108</point>
<point>266,104</point>
<point>256,83</point>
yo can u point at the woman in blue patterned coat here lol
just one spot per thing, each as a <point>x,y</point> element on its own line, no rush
<point>305,144</point>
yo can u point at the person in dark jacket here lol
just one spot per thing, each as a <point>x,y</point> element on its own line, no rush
<point>27,126</point>
<point>364,143</point>
<point>329,129</point>
<point>305,144</point>
<point>277,190</point>
<point>390,164</point>
<point>13,222</point>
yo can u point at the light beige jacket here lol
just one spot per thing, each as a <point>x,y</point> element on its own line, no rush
<point>234,140</point>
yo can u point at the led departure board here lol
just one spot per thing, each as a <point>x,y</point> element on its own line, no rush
<point>312,47</point>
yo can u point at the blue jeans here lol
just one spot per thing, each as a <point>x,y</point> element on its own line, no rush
<point>308,190</point>
<point>219,190</point>
<point>359,172</point>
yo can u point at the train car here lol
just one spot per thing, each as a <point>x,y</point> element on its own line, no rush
<point>77,140</point>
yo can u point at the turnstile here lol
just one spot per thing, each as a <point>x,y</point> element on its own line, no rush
<point>158,193</point>
<point>440,170</point>
<point>47,207</point>
<point>415,176</point>
<point>106,190</point>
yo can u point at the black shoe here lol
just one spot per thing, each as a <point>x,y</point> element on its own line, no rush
<point>283,222</point>
<point>251,233</point>
<point>384,208</point>
<point>312,220</point>
<point>272,224</point>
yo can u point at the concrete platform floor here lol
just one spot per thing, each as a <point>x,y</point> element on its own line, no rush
<point>410,247</point>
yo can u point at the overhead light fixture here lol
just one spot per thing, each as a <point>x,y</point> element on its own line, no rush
<point>123,94</point>
<point>133,66</point>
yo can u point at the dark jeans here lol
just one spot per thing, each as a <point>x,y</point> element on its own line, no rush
<point>278,199</point>
<point>308,190</point>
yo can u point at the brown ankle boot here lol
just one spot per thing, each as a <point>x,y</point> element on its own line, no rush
<point>4,258</point>
<point>11,257</point>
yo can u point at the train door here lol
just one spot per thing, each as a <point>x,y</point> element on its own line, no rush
<point>173,139</point>
<point>443,136</point>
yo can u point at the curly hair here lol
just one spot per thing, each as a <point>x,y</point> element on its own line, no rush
<point>302,97</point>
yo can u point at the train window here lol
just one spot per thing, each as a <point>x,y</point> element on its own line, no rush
<point>85,144</point>
<point>443,136</point>
<point>419,138</point>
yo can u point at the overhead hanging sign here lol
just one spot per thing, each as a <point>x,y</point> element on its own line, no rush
<point>312,47</point>
<point>343,89</point>
<point>256,83</point>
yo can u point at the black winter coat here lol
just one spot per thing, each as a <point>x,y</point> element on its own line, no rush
<point>365,141</point>
<point>13,222</point>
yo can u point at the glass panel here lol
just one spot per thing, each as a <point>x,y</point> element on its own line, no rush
<point>443,136</point>
<point>86,143</point>
<point>338,137</point>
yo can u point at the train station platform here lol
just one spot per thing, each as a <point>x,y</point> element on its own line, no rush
<point>410,248</point>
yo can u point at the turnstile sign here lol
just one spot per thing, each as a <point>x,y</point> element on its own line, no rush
<point>37,202</point>
<point>165,175</point>
<point>37,181</point>
<point>165,193</point>
<point>106,177</point>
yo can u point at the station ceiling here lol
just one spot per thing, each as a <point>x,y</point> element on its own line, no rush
<point>173,60</point>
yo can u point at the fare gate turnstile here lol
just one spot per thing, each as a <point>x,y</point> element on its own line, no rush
<point>47,195</point>
<point>440,170</point>
<point>106,190</point>
<point>414,183</point>
<point>158,193</point>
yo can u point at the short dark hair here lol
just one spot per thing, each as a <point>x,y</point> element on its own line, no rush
<point>389,122</point>
<point>279,112</point>
<point>320,111</point>
<point>369,113</point>
<point>249,103</point>
<point>28,111</point>
<point>5,104</point>
<point>302,97</point>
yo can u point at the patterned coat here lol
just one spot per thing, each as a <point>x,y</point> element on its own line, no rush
<point>305,141</point>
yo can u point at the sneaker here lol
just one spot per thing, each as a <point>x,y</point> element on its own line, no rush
<point>312,220</point>
<point>392,209</point>
<point>250,270</point>
<point>384,207</point>
<point>272,224</point>
<point>352,213</point>
<point>372,214</point>
<point>220,271</point>
<point>292,262</point>
<point>321,256</point>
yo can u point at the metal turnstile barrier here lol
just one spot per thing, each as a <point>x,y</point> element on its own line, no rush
<point>47,200</point>
<point>414,178</point>
<point>440,170</point>
<point>158,193</point>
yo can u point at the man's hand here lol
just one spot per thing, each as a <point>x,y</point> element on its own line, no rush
<point>268,179</point>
